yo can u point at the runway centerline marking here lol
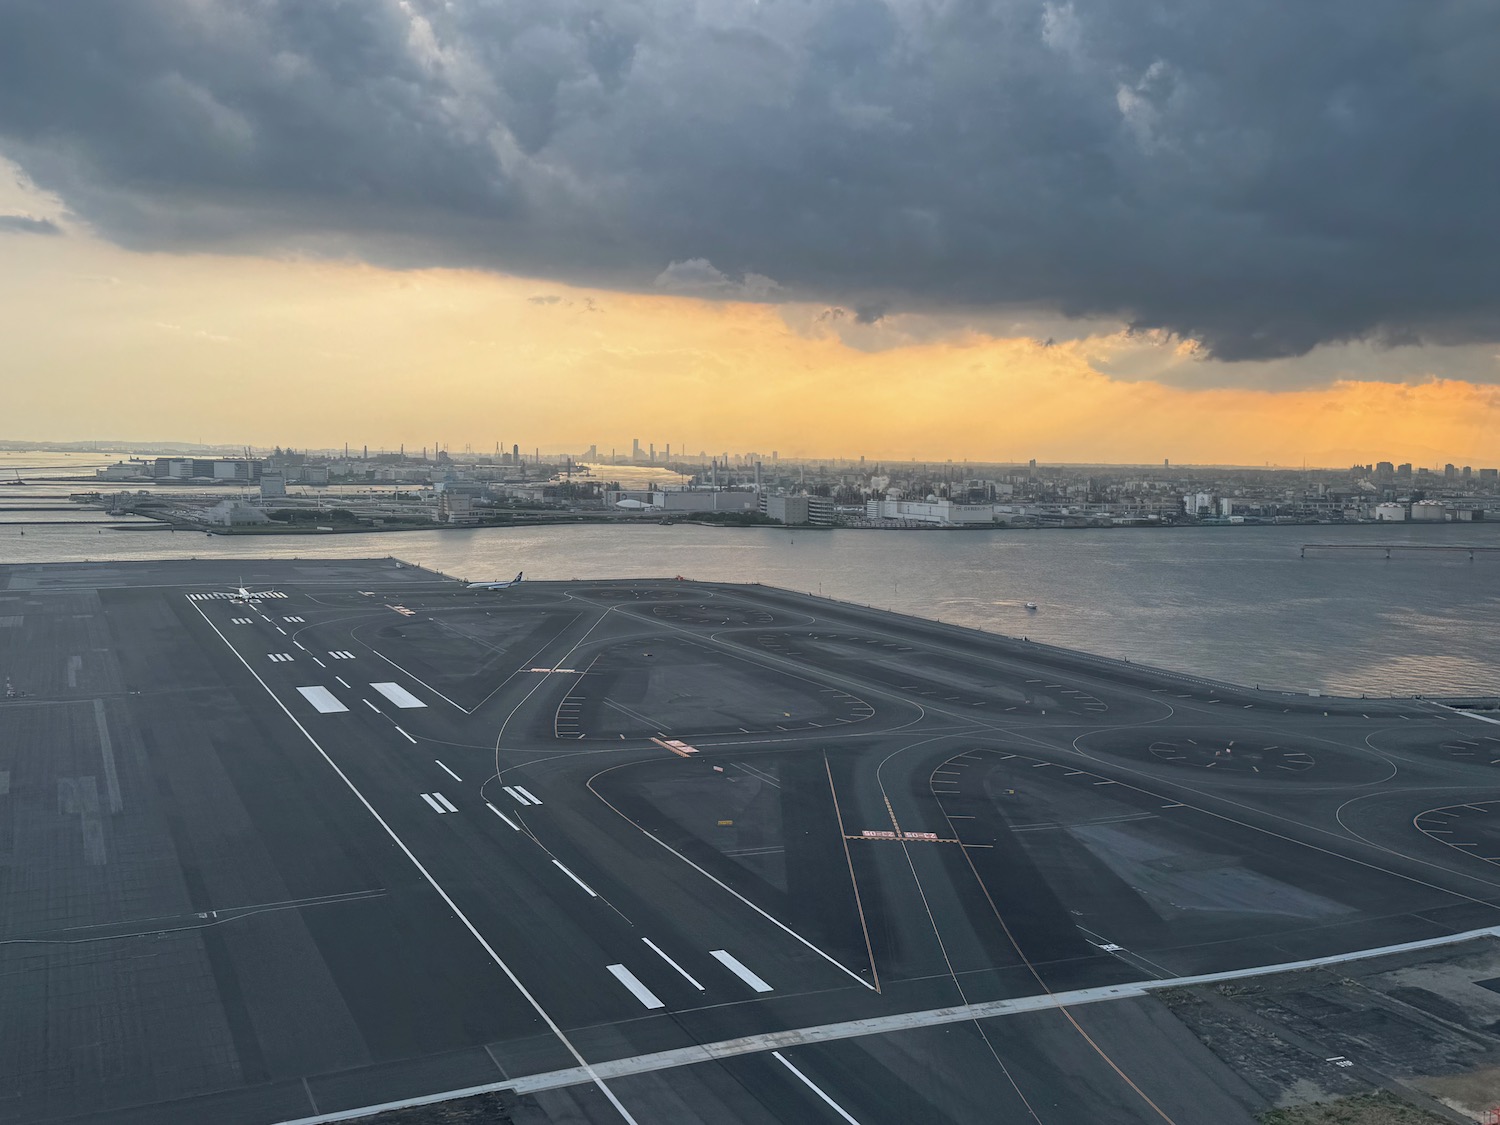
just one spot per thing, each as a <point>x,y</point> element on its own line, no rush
<point>502,816</point>
<point>575,879</point>
<point>447,771</point>
<point>662,954</point>
<point>808,1082</point>
<point>404,735</point>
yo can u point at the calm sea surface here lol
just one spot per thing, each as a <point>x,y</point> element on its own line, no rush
<point>1229,603</point>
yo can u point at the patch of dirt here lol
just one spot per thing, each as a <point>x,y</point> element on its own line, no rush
<point>1361,1109</point>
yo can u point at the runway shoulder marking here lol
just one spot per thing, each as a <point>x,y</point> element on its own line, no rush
<point>735,966</point>
<point>323,700</point>
<point>398,695</point>
<point>637,989</point>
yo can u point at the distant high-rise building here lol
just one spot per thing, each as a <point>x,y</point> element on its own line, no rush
<point>1449,472</point>
<point>1468,471</point>
<point>1404,470</point>
<point>1385,469</point>
<point>635,449</point>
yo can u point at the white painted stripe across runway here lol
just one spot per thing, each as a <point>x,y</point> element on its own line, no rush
<point>447,771</point>
<point>437,808</point>
<point>637,989</point>
<point>323,700</point>
<point>398,695</point>
<point>502,816</point>
<point>806,1081</point>
<point>528,794</point>
<point>730,962</point>
<point>520,800</point>
<point>447,804</point>
<point>662,954</point>
<point>404,735</point>
<point>341,680</point>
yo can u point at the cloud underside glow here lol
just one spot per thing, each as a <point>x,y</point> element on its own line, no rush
<point>1262,179</point>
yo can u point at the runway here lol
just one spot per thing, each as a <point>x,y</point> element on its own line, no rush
<point>369,838</point>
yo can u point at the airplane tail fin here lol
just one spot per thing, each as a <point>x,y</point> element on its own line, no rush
<point>519,575</point>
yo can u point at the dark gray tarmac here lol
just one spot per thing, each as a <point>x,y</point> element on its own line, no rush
<point>378,837</point>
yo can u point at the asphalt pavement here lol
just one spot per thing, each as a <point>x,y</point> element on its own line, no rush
<point>366,836</point>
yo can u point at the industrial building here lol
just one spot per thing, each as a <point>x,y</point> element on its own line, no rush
<point>206,468</point>
<point>943,513</point>
<point>798,510</point>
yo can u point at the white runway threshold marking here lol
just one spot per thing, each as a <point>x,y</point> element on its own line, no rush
<point>808,1082</point>
<point>528,794</point>
<point>517,796</point>
<point>447,804</point>
<point>437,808</point>
<point>637,989</point>
<point>730,962</point>
<point>398,695</point>
<point>323,700</point>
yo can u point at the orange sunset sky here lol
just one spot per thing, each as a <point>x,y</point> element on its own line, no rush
<point>102,342</point>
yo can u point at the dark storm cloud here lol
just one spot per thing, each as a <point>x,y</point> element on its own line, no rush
<point>26,224</point>
<point>1260,177</point>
